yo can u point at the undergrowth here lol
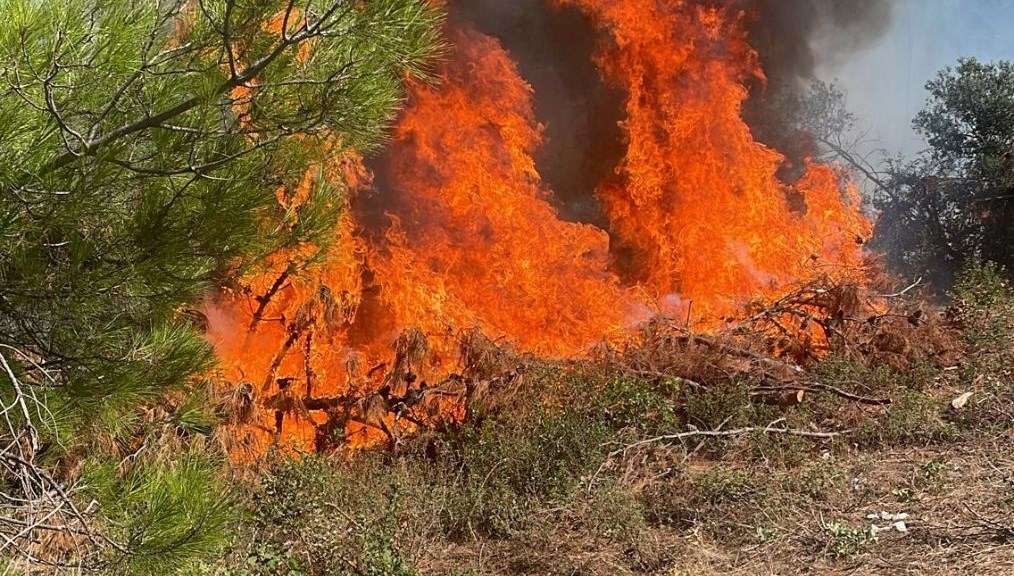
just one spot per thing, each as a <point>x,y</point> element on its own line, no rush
<point>554,480</point>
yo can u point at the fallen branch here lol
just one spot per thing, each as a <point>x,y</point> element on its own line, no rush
<point>818,387</point>
<point>717,433</point>
<point>735,432</point>
<point>903,292</point>
<point>264,299</point>
<point>737,351</point>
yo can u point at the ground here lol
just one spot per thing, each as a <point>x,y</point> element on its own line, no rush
<point>630,465</point>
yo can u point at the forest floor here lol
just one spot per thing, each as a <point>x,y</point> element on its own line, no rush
<point>603,469</point>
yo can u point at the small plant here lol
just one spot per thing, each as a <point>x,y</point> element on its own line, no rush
<point>614,513</point>
<point>846,540</point>
<point>729,404</point>
<point>267,560</point>
<point>820,481</point>
<point>719,485</point>
<point>913,418</point>
<point>764,535</point>
<point>931,473</point>
<point>905,494</point>
<point>640,404</point>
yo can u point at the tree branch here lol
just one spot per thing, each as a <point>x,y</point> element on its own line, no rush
<point>93,146</point>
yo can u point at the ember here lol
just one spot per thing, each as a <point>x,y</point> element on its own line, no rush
<point>459,237</point>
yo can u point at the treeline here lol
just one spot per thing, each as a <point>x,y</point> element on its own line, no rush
<point>956,200</point>
<point>950,204</point>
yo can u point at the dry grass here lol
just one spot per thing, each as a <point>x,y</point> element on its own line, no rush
<point>601,468</point>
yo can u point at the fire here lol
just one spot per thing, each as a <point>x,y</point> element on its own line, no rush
<point>473,241</point>
<point>699,208</point>
<point>460,234</point>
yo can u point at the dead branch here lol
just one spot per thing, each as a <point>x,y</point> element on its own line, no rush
<point>725,433</point>
<point>40,522</point>
<point>904,291</point>
<point>737,351</point>
<point>818,387</point>
<point>717,433</point>
<point>264,299</point>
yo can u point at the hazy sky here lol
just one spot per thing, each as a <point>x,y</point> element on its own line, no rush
<point>885,82</point>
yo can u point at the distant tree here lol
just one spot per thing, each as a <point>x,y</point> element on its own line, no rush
<point>956,201</point>
<point>142,145</point>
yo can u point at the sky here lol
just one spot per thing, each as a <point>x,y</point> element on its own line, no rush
<point>885,82</point>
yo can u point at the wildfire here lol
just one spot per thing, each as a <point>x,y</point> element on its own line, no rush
<point>460,233</point>
<point>699,207</point>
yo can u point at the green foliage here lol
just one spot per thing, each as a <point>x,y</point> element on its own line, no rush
<point>845,540</point>
<point>612,511</point>
<point>913,418</point>
<point>510,467</point>
<point>640,404</point>
<point>820,481</point>
<point>719,405</point>
<point>141,148</point>
<point>322,517</point>
<point>875,378</point>
<point>956,202</point>
<point>983,304</point>
<point>967,120</point>
<point>168,513</point>
<point>984,301</point>
<point>720,485</point>
<point>266,560</point>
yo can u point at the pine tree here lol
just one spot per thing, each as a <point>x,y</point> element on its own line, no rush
<point>142,144</point>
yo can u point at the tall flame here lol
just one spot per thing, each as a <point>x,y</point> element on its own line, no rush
<point>700,210</point>
<point>473,240</point>
<point>461,233</point>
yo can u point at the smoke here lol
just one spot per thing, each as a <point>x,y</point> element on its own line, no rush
<point>794,39</point>
<point>554,48</point>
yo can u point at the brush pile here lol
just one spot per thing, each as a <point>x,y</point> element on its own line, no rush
<point>775,350</point>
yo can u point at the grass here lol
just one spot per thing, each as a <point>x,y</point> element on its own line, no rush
<point>547,488</point>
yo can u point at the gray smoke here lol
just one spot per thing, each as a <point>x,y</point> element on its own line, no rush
<point>793,39</point>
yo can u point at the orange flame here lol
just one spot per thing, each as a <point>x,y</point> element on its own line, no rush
<point>700,207</point>
<point>473,239</point>
<point>462,233</point>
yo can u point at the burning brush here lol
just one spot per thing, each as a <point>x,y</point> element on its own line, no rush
<point>458,236</point>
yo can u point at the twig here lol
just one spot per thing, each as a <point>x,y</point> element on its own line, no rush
<point>700,444</point>
<point>817,387</point>
<point>735,432</point>
<point>903,292</point>
<point>769,429</point>
<point>264,299</point>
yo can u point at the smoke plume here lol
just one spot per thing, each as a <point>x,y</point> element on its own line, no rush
<point>793,38</point>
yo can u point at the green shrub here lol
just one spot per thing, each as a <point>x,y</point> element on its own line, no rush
<point>170,513</point>
<point>640,404</point>
<point>845,540</point>
<point>913,418</point>
<point>321,516</point>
